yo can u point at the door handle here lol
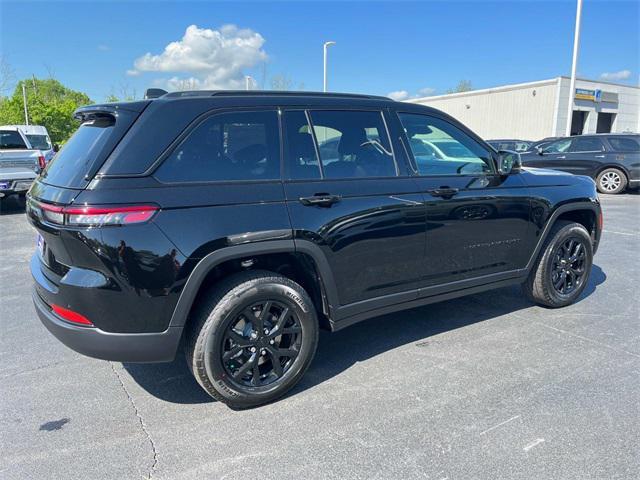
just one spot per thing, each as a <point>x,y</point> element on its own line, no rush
<point>599,156</point>
<point>444,192</point>
<point>561,157</point>
<point>320,200</point>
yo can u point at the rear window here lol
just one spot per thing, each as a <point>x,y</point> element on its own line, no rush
<point>81,156</point>
<point>10,140</point>
<point>625,144</point>
<point>41,142</point>
<point>227,146</point>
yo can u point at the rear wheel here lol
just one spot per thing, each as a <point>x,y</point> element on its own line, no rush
<point>611,180</point>
<point>563,267</point>
<point>253,338</point>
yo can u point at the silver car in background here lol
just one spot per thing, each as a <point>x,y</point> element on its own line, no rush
<point>20,163</point>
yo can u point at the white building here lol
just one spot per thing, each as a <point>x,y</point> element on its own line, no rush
<point>535,110</point>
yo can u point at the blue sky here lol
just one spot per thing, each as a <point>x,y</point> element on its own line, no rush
<point>382,47</point>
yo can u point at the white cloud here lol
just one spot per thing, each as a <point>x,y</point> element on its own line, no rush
<point>398,95</point>
<point>104,48</point>
<point>621,75</point>
<point>210,58</point>
<point>426,91</point>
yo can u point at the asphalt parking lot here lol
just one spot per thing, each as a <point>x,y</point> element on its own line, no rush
<point>483,387</point>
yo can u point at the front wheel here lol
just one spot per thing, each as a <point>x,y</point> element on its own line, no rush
<point>611,180</point>
<point>563,267</point>
<point>253,338</point>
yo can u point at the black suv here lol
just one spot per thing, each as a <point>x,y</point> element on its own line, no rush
<point>214,222</point>
<point>612,160</point>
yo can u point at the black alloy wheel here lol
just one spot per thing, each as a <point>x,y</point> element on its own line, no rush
<point>568,270</point>
<point>260,345</point>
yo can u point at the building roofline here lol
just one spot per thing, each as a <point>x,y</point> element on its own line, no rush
<point>513,86</point>
<point>502,88</point>
<point>602,81</point>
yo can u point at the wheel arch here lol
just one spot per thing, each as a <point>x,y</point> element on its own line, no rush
<point>585,213</point>
<point>617,166</point>
<point>305,265</point>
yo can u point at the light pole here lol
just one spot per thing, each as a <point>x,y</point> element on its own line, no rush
<point>572,84</point>
<point>24,101</point>
<point>324,82</point>
<point>247,82</point>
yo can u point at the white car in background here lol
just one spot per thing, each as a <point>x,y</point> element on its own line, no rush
<point>38,138</point>
<point>20,163</point>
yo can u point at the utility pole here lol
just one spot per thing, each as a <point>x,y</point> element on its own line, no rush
<point>324,81</point>
<point>24,101</point>
<point>572,85</point>
<point>247,82</point>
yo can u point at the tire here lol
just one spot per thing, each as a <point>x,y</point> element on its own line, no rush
<point>548,269</point>
<point>223,326</point>
<point>611,180</point>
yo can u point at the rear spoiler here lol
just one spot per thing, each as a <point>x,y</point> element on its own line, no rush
<point>108,109</point>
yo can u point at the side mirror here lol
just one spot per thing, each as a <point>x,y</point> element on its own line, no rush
<point>56,147</point>
<point>539,150</point>
<point>508,162</point>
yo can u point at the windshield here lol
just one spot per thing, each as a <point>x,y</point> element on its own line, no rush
<point>41,142</point>
<point>10,139</point>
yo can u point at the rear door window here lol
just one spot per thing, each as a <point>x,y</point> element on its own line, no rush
<point>352,144</point>
<point>301,155</point>
<point>586,144</point>
<point>225,147</point>
<point>11,140</point>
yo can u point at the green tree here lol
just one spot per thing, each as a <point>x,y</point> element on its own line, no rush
<point>463,86</point>
<point>49,103</point>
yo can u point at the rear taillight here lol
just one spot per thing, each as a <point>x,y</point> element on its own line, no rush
<point>42,162</point>
<point>95,216</point>
<point>600,220</point>
<point>71,316</point>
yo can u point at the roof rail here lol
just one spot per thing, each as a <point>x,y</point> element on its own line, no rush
<point>251,93</point>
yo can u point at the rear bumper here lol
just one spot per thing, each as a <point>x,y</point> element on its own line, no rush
<point>9,186</point>
<point>96,343</point>
<point>118,347</point>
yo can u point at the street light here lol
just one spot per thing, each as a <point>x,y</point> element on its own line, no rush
<point>574,64</point>
<point>247,82</point>
<point>324,83</point>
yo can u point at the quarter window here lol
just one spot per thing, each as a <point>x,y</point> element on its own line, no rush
<point>227,146</point>
<point>353,144</point>
<point>439,148</point>
<point>622,144</point>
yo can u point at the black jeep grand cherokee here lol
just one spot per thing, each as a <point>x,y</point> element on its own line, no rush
<point>236,224</point>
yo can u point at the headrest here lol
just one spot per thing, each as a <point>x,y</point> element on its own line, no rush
<point>302,145</point>
<point>351,141</point>
<point>251,154</point>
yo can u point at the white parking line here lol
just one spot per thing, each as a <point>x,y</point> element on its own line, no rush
<point>533,444</point>
<point>621,233</point>
<point>499,425</point>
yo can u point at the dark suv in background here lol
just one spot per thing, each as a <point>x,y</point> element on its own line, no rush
<point>222,222</point>
<point>612,160</point>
